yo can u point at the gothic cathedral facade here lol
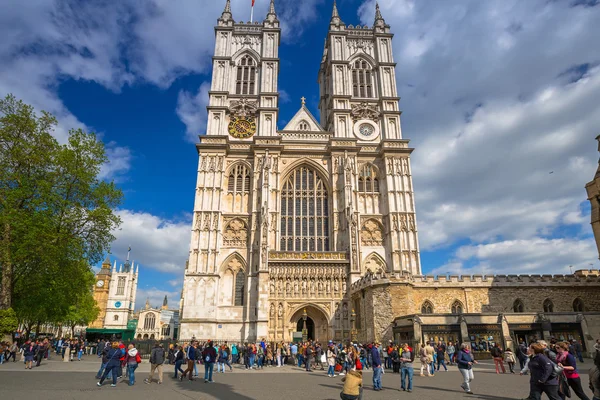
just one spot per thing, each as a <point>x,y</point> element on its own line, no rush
<point>285,221</point>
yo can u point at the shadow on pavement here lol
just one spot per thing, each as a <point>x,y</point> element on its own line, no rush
<point>221,391</point>
<point>475,395</point>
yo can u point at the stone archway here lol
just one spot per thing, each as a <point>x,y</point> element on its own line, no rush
<point>319,328</point>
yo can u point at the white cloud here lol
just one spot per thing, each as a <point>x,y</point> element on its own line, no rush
<point>156,296</point>
<point>155,242</point>
<point>498,99</point>
<point>191,109</point>
<point>119,161</point>
<point>527,256</point>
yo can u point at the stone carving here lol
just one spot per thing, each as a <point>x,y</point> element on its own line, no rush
<point>236,234</point>
<point>280,310</point>
<point>272,311</point>
<point>374,265</point>
<point>364,110</point>
<point>243,108</point>
<point>371,233</point>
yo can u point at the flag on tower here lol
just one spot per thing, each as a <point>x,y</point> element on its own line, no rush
<point>252,12</point>
<point>253,3</point>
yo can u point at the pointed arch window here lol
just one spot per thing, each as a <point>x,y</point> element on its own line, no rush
<point>518,306</point>
<point>427,308</point>
<point>239,180</point>
<point>578,305</point>
<point>548,306</point>
<point>303,126</point>
<point>240,284</point>
<point>362,79</point>
<point>246,76</point>
<point>368,183</point>
<point>457,307</point>
<point>149,321</point>
<point>304,212</point>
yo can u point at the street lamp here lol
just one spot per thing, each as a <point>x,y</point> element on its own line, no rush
<point>353,322</point>
<point>304,330</point>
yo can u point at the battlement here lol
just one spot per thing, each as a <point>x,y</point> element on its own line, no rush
<point>359,30</point>
<point>579,278</point>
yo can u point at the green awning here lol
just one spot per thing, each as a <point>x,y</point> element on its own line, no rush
<point>107,331</point>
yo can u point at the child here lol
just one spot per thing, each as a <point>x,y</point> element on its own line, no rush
<point>509,357</point>
<point>352,385</point>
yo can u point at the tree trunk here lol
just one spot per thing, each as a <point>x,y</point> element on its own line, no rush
<point>7,270</point>
<point>37,329</point>
<point>27,330</point>
<point>72,331</point>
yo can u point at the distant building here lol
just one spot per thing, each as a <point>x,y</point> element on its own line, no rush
<point>593,191</point>
<point>160,324</point>
<point>115,292</point>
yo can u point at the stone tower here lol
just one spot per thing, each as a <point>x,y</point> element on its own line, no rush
<point>121,295</point>
<point>101,292</point>
<point>286,220</point>
<point>593,192</point>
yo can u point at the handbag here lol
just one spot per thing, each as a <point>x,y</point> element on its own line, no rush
<point>138,359</point>
<point>358,365</point>
<point>563,385</point>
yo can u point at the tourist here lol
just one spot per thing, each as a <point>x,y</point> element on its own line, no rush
<point>224,358</point>
<point>431,354</point>
<point>441,356</point>
<point>235,357</point>
<point>190,354</point>
<point>157,359</point>
<point>209,355</point>
<point>131,360</point>
<point>309,357</point>
<point>377,369</point>
<point>171,354</point>
<point>80,349</point>
<point>269,355</point>
<point>279,355</point>
<point>330,356</point>
<point>40,351</point>
<point>522,354</point>
<point>198,358</point>
<point>260,356</point>
<point>509,357</point>
<point>178,358</point>
<point>465,362</point>
<point>29,353</point>
<point>497,354</point>
<point>12,352</point>
<point>113,353</point>
<point>319,356</point>
<point>100,348</point>
<point>122,359</point>
<point>578,350</point>
<point>595,376</point>
<point>543,379</point>
<point>407,357</point>
<point>395,356</point>
<point>424,360</point>
<point>450,350</point>
<point>353,385</point>
<point>566,360</point>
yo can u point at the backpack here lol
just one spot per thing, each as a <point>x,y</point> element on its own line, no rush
<point>138,359</point>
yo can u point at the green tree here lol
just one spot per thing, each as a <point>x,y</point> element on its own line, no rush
<point>83,313</point>
<point>56,215</point>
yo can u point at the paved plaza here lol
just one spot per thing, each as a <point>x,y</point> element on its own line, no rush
<point>65,381</point>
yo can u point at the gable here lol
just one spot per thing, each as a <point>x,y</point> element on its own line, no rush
<point>303,121</point>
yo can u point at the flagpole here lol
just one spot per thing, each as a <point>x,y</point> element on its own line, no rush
<point>252,13</point>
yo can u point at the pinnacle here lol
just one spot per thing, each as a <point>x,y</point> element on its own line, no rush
<point>227,7</point>
<point>335,15</point>
<point>272,7</point>
<point>378,16</point>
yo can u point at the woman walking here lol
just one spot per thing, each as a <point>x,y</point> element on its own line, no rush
<point>543,379</point>
<point>113,364</point>
<point>330,361</point>
<point>424,361</point>
<point>450,349</point>
<point>510,359</point>
<point>465,362</point>
<point>178,358</point>
<point>28,353</point>
<point>132,360</point>
<point>567,361</point>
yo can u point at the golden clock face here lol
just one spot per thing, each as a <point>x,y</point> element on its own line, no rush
<point>242,127</point>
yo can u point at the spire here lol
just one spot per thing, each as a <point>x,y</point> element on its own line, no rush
<point>598,171</point>
<point>335,16</point>
<point>165,303</point>
<point>272,7</point>
<point>272,14</point>
<point>147,298</point>
<point>226,15</point>
<point>106,263</point>
<point>379,21</point>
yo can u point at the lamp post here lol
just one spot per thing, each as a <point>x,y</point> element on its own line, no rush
<point>353,322</point>
<point>304,330</point>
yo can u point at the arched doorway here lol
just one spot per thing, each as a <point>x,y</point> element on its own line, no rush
<point>317,323</point>
<point>310,327</point>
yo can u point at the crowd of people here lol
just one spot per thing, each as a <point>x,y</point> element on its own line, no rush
<point>552,367</point>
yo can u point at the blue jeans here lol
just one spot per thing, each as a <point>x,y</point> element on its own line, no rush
<point>178,367</point>
<point>377,377</point>
<point>259,362</point>
<point>195,368</point>
<point>208,371</point>
<point>451,357</point>
<point>404,373</point>
<point>432,368</point>
<point>110,371</point>
<point>441,360</point>
<point>300,360</point>
<point>101,370</point>
<point>131,371</point>
<point>251,362</point>
<point>79,354</point>
<point>331,370</point>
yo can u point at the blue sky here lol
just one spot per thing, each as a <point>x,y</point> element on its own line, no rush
<point>496,95</point>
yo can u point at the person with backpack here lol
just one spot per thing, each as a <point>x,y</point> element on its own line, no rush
<point>157,359</point>
<point>543,379</point>
<point>566,360</point>
<point>377,369</point>
<point>113,364</point>
<point>28,353</point>
<point>223,359</point>
<point>509,357</point>
<point>407,357</point>
<point>209,355</point>
<point>497,353</point>
<point>132,359</point>
<point>178,359</point>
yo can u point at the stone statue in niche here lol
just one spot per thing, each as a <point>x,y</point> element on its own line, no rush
<point>278,285</point>
<point>272,288</point>
<point>304,285</point>
<point>288,287</point>
<point>272,311</point>
<point>345,310</point>
<point>295,287</point>
<point>328,286</point>
<point>344,285</point>
<point>280,310</point>
<point>336,286</point>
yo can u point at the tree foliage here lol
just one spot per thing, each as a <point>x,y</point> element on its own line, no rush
<point>8,322</point>
<point>56,215</point>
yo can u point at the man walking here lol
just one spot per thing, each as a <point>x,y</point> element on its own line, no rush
<point>578,350</point>
<point>157,359</point>
<point>210,356</point>
<point>190,353</point>
<point>377,370</point>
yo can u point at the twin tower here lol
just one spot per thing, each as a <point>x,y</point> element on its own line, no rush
<point>286,220</point>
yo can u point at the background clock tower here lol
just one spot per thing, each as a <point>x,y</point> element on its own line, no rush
<point>120,303</point>
<point>101,289</point>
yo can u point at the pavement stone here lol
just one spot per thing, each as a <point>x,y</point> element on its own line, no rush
<point>56,380</point>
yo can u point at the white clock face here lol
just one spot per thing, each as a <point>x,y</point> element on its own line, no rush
<point>366,130</point>
<point>100,283</point>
